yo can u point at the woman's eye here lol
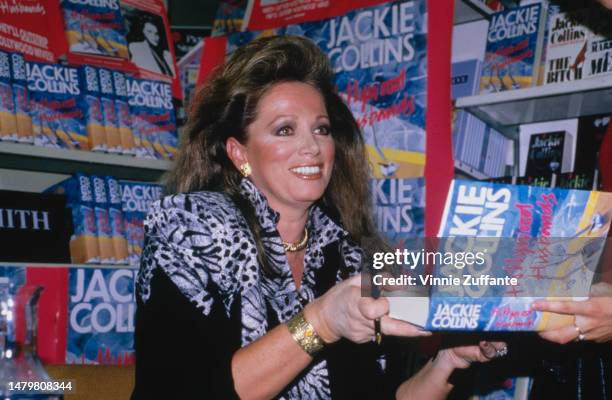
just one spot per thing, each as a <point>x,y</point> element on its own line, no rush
<point>323,130</point>
<point>284,131</point>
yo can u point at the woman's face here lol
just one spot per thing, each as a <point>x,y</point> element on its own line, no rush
<point>150,33</point>
<point>289,145</point>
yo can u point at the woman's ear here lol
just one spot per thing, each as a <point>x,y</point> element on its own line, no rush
<point>236,151</point>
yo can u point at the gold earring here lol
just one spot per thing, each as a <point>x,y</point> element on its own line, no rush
<point>245,169</point>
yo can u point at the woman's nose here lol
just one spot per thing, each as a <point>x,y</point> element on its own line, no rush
<point>309,144</point>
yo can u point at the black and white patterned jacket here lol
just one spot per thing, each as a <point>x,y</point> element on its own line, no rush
<point>201,295</point>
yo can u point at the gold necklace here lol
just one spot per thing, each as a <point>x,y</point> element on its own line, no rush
<point>300,245</point>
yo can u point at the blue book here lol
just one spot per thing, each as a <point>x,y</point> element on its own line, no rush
<point>101,311</point>
<point>501,248</point>
<point>153,119</point>
<point>21,99</point>
<point>79,194</point>
<point>58,117</point>
<point>514,47</point>
<point>95,27</point>
<point>136,197</point>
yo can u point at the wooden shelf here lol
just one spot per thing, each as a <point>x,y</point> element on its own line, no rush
<point>505,110</point>
<point>62,161</point>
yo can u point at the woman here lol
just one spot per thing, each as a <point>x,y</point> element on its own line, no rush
<point>151,52</point>
<point>245,289</point>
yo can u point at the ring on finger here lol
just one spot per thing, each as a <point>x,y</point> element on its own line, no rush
<point>581,335</point>
<point>501,352</point>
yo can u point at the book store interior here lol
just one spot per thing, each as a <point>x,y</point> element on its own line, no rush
<point>141,156</point>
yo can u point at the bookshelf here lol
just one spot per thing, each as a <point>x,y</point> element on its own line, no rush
<point>505,110</point>
<point>471,172</point>
<point>66,265</point>
<point>62,161</point>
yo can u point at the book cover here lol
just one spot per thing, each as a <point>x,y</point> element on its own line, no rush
<point>549,240</point>
<point>117,222</point>
<point>101,310</point>
<point>111,123</point>
<point>526,130</point>
<point>21,99</point>
<point>574,180</point>
<point>103,224</point>
<point>599,48</point>
<point>8,123</point>
<point>136,197</point>
<point>153,119</point>
<point>85,315</point>
<point>122,109</point>
<point>79,198</point>
<point>94,117</point>
<point>465,78</point>
<point>513,51</point>
<point>566,48</point>
<point>95,27</point>
<point>549,153</point>
<point>55,92</point>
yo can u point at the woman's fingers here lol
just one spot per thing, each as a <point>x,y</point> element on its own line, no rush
<point>372,308</point>
<point>394,327</point>
<point>561,335</point>
<point>564,307</point>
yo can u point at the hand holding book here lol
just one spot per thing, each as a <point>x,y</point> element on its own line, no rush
<point>593,317</point>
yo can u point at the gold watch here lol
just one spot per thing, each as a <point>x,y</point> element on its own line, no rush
<point>305,334</point>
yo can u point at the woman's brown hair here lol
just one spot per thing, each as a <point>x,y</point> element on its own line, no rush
<point>226,105</point>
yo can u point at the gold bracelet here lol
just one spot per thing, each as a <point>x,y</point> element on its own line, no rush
<point>304,334</point>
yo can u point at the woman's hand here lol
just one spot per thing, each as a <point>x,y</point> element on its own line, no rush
<point>593,316</point>
<point>462,356</point>
<point>431,382</point>
<point>343,312</point>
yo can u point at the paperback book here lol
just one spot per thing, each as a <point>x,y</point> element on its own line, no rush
<point>21,99</point>
<point>103,225</point>
<point>85,315</point>
<point>94,117</point>
<point>153,118</point>
<point>136,197</point>
<point>80,200</point>
<point>513,51</point>
<point>95,27</point>
<point>8,123</point>
<point>122,109</point>
<point>549,153</point>
<point>55,92</point>
<point>107,99</point>
<point>548,240</point>
<point>566,48</point>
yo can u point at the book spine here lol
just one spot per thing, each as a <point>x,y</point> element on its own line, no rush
<point>79,198</point>
<point>94,117</point>
<point>8,123</point>
<point>117,222</point>
<point>108,108</point>
<point>25,133</point>
<point>103,226</point>
<point>124,119</point>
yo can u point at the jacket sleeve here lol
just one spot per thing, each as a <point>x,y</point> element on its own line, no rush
<point>186,331</point>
